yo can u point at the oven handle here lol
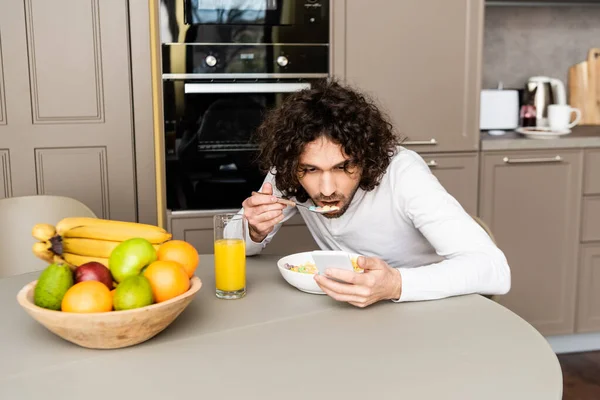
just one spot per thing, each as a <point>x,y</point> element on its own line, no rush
<point>244,87</point>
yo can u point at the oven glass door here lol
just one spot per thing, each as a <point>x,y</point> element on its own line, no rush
<point>244,21</point>
<point>211,159</point>
<point>240,12</point>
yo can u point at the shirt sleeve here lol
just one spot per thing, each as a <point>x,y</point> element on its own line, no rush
<point>472,262</point>
<point>254,248</point>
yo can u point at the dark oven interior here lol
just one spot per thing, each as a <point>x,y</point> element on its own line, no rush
<point>211,157</point>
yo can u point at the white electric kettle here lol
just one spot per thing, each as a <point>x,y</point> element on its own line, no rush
<point>541,91</point>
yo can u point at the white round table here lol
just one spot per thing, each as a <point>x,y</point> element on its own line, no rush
<point>280,343</point>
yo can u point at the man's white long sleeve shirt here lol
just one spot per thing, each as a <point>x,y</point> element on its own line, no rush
<point>412,223</point>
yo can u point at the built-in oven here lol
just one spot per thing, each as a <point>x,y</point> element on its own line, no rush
<point>225,64</point>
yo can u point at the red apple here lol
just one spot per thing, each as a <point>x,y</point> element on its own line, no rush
<point>94,271</point>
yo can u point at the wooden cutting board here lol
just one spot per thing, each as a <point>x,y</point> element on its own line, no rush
<point>584,88</point>
<point>594,71</point>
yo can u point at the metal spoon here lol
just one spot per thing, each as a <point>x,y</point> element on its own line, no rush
<point>315,209</point>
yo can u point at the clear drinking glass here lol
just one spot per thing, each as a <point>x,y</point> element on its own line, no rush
<point>230,256</point>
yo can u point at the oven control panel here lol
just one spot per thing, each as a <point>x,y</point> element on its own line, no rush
<point>252,59</point>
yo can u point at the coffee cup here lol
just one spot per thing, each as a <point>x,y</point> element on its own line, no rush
<point>559,116</point>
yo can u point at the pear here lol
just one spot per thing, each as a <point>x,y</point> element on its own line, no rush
<point>134,292</point>
<point>52,285</point>
<point>130,257</point>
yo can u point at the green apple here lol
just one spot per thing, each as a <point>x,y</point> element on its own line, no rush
<point>130,257</point>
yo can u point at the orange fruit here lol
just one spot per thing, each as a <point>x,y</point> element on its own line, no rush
<point>168,279</point>
<point>87,297</point>
<point>181,252</point>
<point>112,297</point>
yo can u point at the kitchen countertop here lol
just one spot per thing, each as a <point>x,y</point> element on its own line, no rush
<point>465,347</point>
<point>580,137</point>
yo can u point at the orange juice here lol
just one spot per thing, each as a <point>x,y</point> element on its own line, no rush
<point>230,265</point>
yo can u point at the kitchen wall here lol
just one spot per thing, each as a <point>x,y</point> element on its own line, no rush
<point>520,42</point>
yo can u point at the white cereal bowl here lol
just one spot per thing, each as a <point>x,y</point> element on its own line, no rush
<point>302,281</point>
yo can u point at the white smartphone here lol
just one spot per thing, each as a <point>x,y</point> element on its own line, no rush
<point>332,259</point>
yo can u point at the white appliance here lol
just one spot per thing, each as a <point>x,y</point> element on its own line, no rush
<point>543,92</point>
<point>499,110</point>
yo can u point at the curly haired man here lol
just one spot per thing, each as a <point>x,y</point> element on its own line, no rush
<point>331,145</point>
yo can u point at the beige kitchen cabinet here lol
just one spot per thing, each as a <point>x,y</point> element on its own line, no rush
<point>588,305</point>
<point>458,173</point>
<point>531,201</point>
<point>292,237</point>
<point>591,181</point>
<point>590,224</point>
<point>66,120</point>
<point>421,60</point>
<point>588,300</point>
<point>529,3</point>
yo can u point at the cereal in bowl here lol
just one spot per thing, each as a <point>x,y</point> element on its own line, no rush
<point>310,267</point>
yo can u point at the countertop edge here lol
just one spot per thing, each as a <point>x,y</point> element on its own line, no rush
<point>581,137</point>
<point>540,144</point>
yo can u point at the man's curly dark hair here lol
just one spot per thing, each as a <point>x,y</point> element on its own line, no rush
<point>339,113</point>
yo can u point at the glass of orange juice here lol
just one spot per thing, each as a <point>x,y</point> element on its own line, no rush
<point>230,256</point>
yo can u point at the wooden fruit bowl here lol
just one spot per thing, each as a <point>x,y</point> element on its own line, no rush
<point>109,330</point>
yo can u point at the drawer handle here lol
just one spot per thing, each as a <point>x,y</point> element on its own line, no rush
<point>556,159</point>
<point>432,163</point>
<point>432,141</point>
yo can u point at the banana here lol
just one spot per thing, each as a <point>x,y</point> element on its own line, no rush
<point>77,260</point>
<point>42,251</point>
<point>104,229</point>
<point>90,247</point>
<point>56,259</point>
<point>43,232</point>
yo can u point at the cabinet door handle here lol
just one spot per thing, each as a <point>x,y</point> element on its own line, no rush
<point>556,159</point>
<point>431,141</point>
<point>432,163</point>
